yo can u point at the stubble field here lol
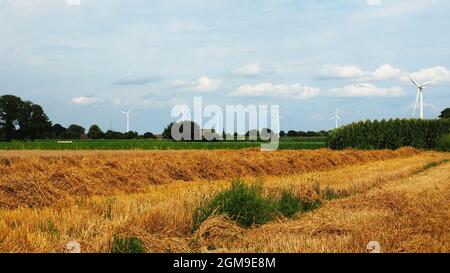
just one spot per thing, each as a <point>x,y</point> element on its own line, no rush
<point>48,198</point>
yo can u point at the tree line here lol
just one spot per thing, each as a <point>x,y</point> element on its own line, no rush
<point>292,133</point>
<point>25,120</point>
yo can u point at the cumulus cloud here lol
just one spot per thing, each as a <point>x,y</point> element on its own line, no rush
<point>202,84</point>
<point>84,101</point>
<point>293,91</point>
<point>341,72</point>
<point>367,90</point>
<point>137,80</point>
<point>248,70</point>
<point>439,73</point>
<point>384,72</point>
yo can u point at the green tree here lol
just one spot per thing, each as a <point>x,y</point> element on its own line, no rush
<point>10,112</point>
<point>149,135</point>
<point>33,123</point>
<point>58,131</point>
<point>22,119</point>
<point>167,132</point>
<point>95,132</point>
<point>130,135</point>
<point>74,131</point>
<point>445,113</point>
<point>189,130</point>
<point>110,134</point>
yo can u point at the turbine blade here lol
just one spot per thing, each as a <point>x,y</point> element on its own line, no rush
<point>123,112</point>
<point>332,118</point>
<point>338,117</point>
<point>413,80</point>
<point>428,83</point>
<point>417,102</point>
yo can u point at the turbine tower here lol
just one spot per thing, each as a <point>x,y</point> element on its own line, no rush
<point>336,118</point>
<point>183,113</point>
<point>128,117</point>
<point>419,97</point>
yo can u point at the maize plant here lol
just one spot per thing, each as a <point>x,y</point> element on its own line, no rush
<point>390,134</point>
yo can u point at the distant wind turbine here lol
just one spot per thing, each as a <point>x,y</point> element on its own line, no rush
<point>128,117</point>
<point>419,97</point>
<point>336,118</point>
<point>183,113</point>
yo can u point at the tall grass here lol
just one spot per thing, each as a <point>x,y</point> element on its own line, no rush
<point>248,206</point>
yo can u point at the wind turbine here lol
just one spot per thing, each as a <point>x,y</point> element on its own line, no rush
<point>419,97</point>
<point>128,117</point>
<point>336,118</point>
<point>183,113</point>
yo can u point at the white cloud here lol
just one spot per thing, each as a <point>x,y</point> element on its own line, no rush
<point>202,84</point>
<point>367,90</point>
<point>341,72</point>
<point>84,101</point>
<point>373,2</point>
<point>294,91</point>
<point>248,70</point>
<point>439,73</point>
<point>384,72</point>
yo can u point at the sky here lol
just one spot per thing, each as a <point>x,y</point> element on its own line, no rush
<point>85,61</point>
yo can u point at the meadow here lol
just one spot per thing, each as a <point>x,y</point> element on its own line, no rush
<point>146,201</point>
<point>294,143</point>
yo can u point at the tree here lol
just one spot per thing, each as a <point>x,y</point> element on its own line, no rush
<point>113,135</point>
<point>167,132</point>
<point>58,131</point>
<point>282,133</point>
<point>74,131</point>
<point>33,123</point>
<point>188,130</point>
<point>149,135</point>
<point>292,133</point>
<point>95,132</point>
<point>10,112</point>
<point>445,113</point>
<point>130,135</point>
<point>22,119</point>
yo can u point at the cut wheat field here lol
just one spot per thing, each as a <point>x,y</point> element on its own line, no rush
<point>398,198</point>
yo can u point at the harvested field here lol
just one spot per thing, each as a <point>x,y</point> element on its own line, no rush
<point>390,197</point>
<point>43,178</point>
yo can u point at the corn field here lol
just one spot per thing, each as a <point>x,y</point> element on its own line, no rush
<point>390,134</point>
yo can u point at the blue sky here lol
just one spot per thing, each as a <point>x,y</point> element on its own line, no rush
<point>86,60</point>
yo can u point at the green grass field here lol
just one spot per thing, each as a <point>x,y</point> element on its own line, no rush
<point>139,144</point>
